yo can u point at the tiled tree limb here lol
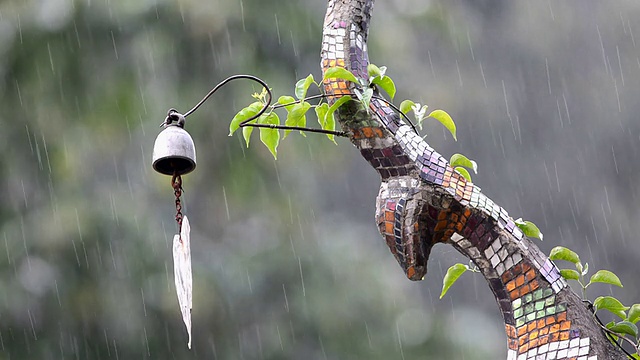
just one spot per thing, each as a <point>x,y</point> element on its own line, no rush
<point>423,201</point>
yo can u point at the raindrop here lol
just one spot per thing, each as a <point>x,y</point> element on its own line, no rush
<point>324,354</point>
<point>595,232</point>
<point>399,340</point>
<point>6,245</point>
<point>366,328</point>
<point>551,11</point>
<point>620,65</point>
<point>55,283</point>
<point>431,65</point>
<point>115,349</point>
<point>555,166</point>
<point>286,302</point>
<point>33,328</point>
<point>606,195</point>
<point>259,341</point>
<point>277,330</point>
<point>50,58</point>
<point>75,29</point>
<point>566,108</point>
<point>24,193</point>
<point>301,277</point>
<point>242,15</point>
<point>19,94</point>
<point>146,340</point>
<point>615,162</point>
<point>615,85</point>
<point>506,103</point>
<point>277,29</point>
<point>115,48</point>
<point>144,306</point>
<point>484,80</point>
<point>473,57</point>
<point>546,63</point>
<point>226,203</point>
<point>19,28</point>
<point>604,56</point>
<point>293,44</point>
<point>113,258</point>
<point>559,113</point>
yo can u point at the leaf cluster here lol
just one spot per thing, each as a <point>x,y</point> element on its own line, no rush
<point>629,315</point>
<point>297,108</point>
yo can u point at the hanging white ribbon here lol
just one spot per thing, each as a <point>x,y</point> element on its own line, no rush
<point>182,273</point>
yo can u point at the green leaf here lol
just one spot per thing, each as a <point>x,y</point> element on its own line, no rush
<point>406,106</point>
<point>326,122</point>
<point>529,229</point>
<point>583,270</point>
<point>562,253</point>
<point>634,313</point>
<point>339,73</point>
<point>385,83</point>
<point>570,274</point>
<point>463,172</point>
<point>302,86</point>
<point>243,115</point>
<point>297,116</point>
<point>321,113</point>
<point>246,132</point>
<point>625,327</point>
<point>607,277</point>
<point>611,304</point>
<point>286,101</point>
<point>446,120</point>
<point>374,71</point>
<point>336,105</point>
<point>270,137</point>
<point>420,112</point>
<point>453,273</point>
<point>366,97</point>
<point>461,160</point>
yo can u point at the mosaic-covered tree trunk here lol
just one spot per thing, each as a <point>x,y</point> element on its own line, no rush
<point>423,201</point>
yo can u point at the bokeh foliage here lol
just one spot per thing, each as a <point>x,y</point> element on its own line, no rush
<point>287,260</point>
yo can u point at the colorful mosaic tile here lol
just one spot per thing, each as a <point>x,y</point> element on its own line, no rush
<point>424,201</point>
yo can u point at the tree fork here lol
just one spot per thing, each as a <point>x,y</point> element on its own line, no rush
<point>423,201</point>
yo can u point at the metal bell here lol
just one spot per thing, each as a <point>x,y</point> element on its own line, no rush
<point>174,151</point>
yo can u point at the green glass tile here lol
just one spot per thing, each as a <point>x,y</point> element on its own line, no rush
<point>562,307</point>
<point>516,303</point>
<point>539,305</point>
<point>518,313</point>
<point>550,301</point>
<point>519,322</point>
<point>540,314</point>
<point>531,317</point>
<point>529,309</point>
<point>548,292</point>
<point>537,295</point>
<point>551,310</point>
<point>528,298</point>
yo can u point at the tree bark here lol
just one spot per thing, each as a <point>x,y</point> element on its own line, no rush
<point>423,201</point>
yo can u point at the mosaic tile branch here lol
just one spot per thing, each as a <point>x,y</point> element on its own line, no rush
<point>423,201</point>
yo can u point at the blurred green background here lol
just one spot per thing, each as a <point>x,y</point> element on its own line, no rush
<point>287,261</point>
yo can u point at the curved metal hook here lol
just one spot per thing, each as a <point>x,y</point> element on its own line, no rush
<point>173,115</point>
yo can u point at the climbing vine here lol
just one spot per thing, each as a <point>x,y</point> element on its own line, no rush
<point>299,105</point>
